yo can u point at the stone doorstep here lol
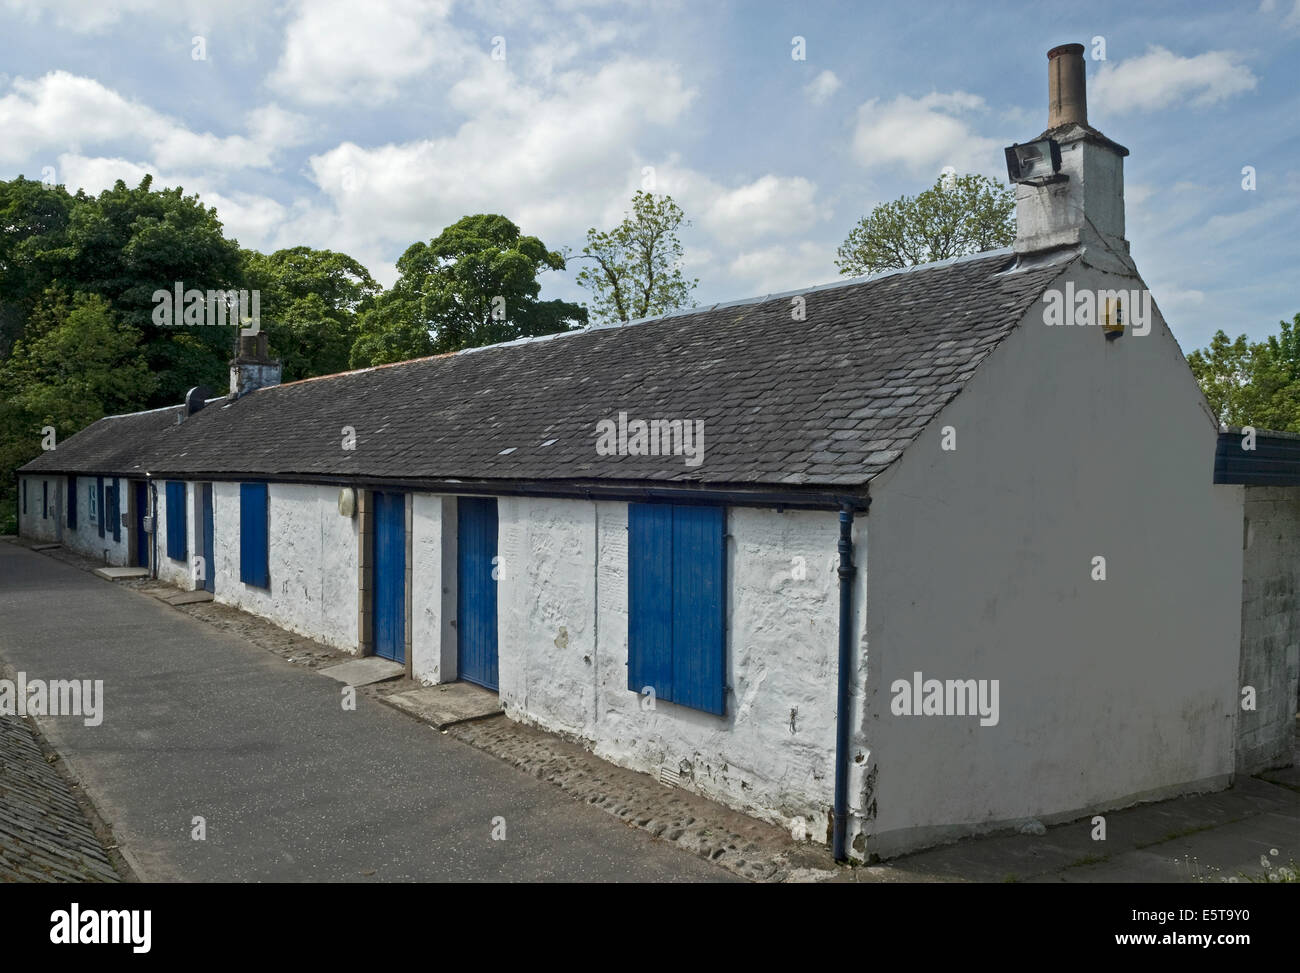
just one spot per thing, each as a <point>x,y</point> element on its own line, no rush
<point>46,547</point>
<point>117,574</point>
<point>364,672</point>
<point>446,704</point>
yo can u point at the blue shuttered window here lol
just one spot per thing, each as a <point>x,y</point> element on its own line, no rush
<point>45,499</point>
<point>99,504</point>
<point>177,542</point>
<point>24,496</point>
<point>72,503</point>
<point>677,603</point>
<point>254,562</point>
<point>113,497</point>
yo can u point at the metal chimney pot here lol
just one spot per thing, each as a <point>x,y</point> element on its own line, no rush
<point>1067,93</point>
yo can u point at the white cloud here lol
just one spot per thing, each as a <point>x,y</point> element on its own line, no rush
<point>822,87</point>
<point>95,16</point>
<point>1160,78</point>
<point>66,112</point>
<point>336,52</point>
<point>924,134</point>
<point>768,205</point>
<point>550,158</point>
<point>770,270</point>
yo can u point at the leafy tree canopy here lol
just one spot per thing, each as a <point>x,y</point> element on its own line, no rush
<point>957,216</point>
<point>1253,383</point>
<point>474,284</point>
<point>635,268</point>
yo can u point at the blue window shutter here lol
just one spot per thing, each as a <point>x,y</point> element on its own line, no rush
<point>24,496</point>
<point>72,503</point>
<point>116,495</point>
<point>650,604</point>
<point>99,503</point>
<point>45,499</point>
<point>254,564</point>
<point>699,606</point>
<point>177,541</point>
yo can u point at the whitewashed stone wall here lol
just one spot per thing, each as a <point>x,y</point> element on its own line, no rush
<point>33,523</point>
<point>563,629</point>
<point>85,539</point>
<point>1270,627</point>
<point>313,562</point>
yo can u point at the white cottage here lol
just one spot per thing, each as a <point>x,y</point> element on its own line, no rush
<point>902,558</point>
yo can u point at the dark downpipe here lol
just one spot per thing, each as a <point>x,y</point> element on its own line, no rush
<point>846,572</point>
<point>153,534</point>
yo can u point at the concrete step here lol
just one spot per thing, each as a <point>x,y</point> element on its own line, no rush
<point>117,574</point>
<point>447,704</point>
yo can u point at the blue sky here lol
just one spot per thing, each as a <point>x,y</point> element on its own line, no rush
<point>364,126</point>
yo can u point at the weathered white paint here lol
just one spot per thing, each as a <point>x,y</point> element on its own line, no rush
<point>1270,627</point>
<point>1087,208</point>
<point>433,588</point>
<point>85,538</point>
<point>313,562</point>
<point>563,624</point>
<point>37,521</point>
<point>1069,447</point>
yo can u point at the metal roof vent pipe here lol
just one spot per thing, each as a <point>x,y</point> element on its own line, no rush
<point>253,368</point>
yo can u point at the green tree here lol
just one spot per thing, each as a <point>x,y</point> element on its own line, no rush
<point>309,301</point>
<point>474,284</point>
<point>76,362</point>
<point>33,225</point>
<point>1253,383</point>
<point>954,217</point>
<point>125,244</point>
<point>637,265</point>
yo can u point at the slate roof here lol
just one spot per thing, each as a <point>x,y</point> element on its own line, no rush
<point>826,402</point>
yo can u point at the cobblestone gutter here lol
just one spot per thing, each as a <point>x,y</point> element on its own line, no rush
<point>45,833</point>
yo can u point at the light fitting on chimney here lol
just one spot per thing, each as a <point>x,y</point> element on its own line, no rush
<point>1035,163</point>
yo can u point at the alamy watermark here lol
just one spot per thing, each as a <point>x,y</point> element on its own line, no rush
<point>181,308</point>
<point>653,437</point>
<point>946,697</point>
<point>1086,306</point>
<point>58,697</point>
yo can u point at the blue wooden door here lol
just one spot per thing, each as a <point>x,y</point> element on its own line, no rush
<point>476,590</point>
<point>141,511</point>
<point>209,539</point>
<point>389,596</point>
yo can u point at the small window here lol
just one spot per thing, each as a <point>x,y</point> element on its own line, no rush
<point>677,603</point>
<point>97,505</point>
<point>254,562</point>
<point>45,499</point>
<point>72,503</point>
<point>24,496</point>
<point>177,546</point>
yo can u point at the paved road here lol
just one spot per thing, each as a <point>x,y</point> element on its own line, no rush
<point>292,787</point>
